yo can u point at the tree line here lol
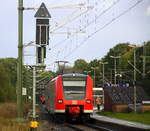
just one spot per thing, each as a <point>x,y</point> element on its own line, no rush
<point>8,70</point>
<point>8,79</point>
<point>124,53</point>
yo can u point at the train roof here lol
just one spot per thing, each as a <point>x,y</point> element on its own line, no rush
<point>74,75</point>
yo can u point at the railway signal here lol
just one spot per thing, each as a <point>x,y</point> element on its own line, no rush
<point>42,32</point>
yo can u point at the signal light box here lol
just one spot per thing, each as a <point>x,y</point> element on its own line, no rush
<point>42,25</point>
<point>42,32</point>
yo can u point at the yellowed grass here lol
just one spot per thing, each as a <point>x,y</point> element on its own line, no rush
<point>11,125</point>
<point>8,118</point>
<point>8,110</point>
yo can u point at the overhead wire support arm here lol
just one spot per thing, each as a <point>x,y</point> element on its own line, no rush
<point>81,5</point>
<point>31,43</point>
<point>70,33</point>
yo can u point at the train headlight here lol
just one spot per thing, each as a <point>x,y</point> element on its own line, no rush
<point>60,101</point>
<point>88,101</point>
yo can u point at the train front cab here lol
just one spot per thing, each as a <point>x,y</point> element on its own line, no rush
<point>74,96</point>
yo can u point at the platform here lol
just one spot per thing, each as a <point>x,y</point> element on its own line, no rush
<point>120,122</point>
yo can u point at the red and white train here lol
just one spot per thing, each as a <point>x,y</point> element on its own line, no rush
<point>70,95</point>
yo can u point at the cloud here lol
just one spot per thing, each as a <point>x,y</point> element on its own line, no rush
<point>148,11</point>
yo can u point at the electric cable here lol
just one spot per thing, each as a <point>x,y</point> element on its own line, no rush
<point>114,19</point>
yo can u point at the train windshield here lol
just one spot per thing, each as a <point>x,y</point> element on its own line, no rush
<point>74,89</point>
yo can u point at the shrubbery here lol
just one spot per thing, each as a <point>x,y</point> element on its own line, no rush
<point>8,74</point>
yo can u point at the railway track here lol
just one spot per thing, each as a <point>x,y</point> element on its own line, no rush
<point>49,124</point>
<point>93,125</point>
<point>87,127</point>
<point>79,127</point>
<point>98,127</point>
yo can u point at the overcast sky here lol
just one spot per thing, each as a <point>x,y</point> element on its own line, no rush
<point>133,27</point>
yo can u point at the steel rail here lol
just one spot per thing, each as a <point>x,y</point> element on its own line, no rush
<point>74,127</point>
<point>98,127</point>
<point>92,126</point>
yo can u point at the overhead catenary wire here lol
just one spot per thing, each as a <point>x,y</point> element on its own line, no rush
<point>70,20</point>
<point>64,20</point>
<point>95,31</point>
<point>75,18</point>
<point>89,36</point>
<point>102,13</point>
<point>89,23</point>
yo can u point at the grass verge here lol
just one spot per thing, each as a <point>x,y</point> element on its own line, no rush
<point>143,118</point>
<point>8,118</point>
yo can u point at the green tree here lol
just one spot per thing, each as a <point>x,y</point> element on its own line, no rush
<point>81,64</point>
<point>10,65</point>
<point>8,78</point>
<point>7,91</point>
